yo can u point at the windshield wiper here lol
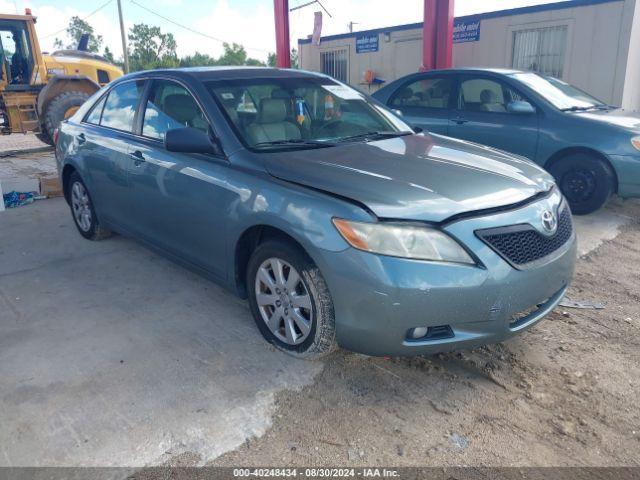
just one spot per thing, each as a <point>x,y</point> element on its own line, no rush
<point>295,143</point>
<point>376,135</point>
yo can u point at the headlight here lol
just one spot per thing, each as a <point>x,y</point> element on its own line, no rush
<point>635,141</point>
<point>420,243</point>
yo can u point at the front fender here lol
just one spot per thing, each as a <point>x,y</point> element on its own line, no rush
<point>302,213</point>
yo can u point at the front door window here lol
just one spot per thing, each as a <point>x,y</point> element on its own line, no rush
<point>170,106</point>
<point>486,95</point>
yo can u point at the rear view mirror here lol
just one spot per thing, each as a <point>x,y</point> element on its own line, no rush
<point>190,140</point>
<point>520,107</point>
<point>417,129</point>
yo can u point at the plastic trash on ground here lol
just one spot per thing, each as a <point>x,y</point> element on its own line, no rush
<point>18,199</point>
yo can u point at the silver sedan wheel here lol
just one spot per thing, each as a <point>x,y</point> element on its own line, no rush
<point>283,301</point>
<point>80,204</point>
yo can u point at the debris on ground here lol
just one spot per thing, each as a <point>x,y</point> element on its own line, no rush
<point>581,305</point>
<point>458,441</point>
<point>18,199</point>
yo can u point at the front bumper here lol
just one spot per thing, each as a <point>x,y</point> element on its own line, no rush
<point>627,168</point>
<point>378,299</point>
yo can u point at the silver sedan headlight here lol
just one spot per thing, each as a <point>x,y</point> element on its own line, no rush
<point>406,241</point>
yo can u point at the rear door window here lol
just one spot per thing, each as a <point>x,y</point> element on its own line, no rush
<point>120,107</point>
<point>170,105</point>
<point>96,112</point>
<point>424,93</point>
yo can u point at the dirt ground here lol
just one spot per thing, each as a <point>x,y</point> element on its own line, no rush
<point>565,393</point>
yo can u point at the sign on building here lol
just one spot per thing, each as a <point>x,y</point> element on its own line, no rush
<point>466,30</point>
<point>367,43</point>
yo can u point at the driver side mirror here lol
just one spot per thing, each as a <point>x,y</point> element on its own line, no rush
<point>190,140</point>
<point>520,107</point>
<point>417,129</point>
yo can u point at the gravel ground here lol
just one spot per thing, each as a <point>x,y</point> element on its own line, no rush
<point>565,393</point>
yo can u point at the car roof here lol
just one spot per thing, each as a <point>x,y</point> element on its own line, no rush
<point>229,73</point>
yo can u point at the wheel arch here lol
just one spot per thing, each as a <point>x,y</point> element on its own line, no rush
<point>565,152</point>
<point>67,171</point>
<point>62,83</point>
<point>247,242</point>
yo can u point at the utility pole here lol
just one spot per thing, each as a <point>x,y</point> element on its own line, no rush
<point>125,53</point>
<point>350,25</point>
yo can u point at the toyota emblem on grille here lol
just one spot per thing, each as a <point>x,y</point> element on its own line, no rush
<point>549,222</point>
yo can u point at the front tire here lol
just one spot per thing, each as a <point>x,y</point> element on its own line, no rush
<point>290,301</point>
<point>586,181</point>
<point>82,211</point>
<point>60,108</point>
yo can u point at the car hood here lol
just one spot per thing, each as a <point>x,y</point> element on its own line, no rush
<point>414,177</point>
<point>618,117</point>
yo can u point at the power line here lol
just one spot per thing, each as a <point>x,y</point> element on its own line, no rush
<point>92,13</point>
<point>191,29</point>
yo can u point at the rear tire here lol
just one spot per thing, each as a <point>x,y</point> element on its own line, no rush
<point>59,108</point>
<point>586,181</point>
<point>281,307</point>
<point>82,211</point>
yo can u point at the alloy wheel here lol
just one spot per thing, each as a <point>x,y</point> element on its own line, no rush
<point>81,206</point>
<point>283,301</point>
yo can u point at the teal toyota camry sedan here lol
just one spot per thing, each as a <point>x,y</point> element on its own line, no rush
<point>340,225</point>
<point>591,148</point>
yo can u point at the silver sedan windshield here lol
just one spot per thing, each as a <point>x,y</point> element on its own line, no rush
<point>302,112</point>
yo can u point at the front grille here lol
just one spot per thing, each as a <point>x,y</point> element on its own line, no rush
<point>523,245</point>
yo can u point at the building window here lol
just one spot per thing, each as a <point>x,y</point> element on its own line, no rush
<point>540,50</point>
<point>336,64</point>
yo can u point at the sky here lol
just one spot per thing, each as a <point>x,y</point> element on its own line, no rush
<point>248,22</point>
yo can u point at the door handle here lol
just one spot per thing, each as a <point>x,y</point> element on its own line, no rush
<point>138,157</point>
<point>460,121</point>
<point>81,139</point>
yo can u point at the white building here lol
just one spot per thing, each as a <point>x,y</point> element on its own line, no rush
<point>593,44</point>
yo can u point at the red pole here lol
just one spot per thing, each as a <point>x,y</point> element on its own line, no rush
<point>283,50</point>
<point>437,34</point>
<point>429,36</point>
<point>444,34</point>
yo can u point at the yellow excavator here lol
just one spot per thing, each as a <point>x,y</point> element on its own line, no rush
<point>38,91</point>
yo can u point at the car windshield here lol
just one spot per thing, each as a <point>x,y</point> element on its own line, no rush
<point>560,94</point>
<point>302,112</point>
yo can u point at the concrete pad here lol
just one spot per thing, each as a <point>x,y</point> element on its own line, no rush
<point>605,224</point>
<point>112,355</point>
<point>22,142</point>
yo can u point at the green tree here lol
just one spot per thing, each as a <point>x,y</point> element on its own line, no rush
<point>271,59</point>
<point>235,54</point>
<point>108,55</point>
<point>198,60</point>
<point>150,48</point>
<point>77,27</point>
